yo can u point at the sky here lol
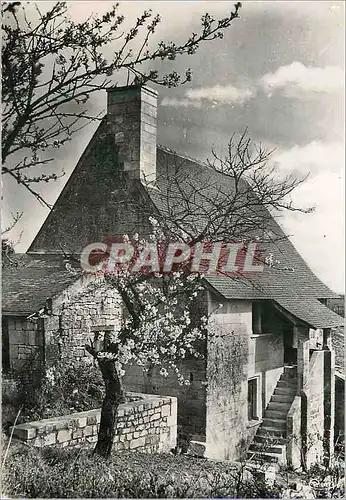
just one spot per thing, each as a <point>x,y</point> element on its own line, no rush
<point>279,70</point>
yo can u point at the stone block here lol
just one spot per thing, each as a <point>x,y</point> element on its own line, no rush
<point>17,337</point>
<point>165,411</point>
<point>147,127</point>
<point>50,439</point>
<point>61,424</point>
<point>78,433</point>
<point>24,432</point>
<point>154,417</point>
<point>92,420</point>
<point>88,431</point>
<point>38,442</point>
<point>64,435</point>
<point>31,338</point>
<point>82,422</point>
<point>196,449</point>
<point>136,443</point>
<point>149,99</point>
<point>149,110</point>
<point>91,439</point>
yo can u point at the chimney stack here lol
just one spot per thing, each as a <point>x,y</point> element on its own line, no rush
<point>132,115</point>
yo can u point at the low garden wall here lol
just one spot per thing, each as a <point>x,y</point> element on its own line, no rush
<point>149,423</point>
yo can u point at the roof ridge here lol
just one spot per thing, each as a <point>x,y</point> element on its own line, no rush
<point>185,157</point>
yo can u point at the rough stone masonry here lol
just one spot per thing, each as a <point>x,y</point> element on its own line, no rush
<point>148,424</point>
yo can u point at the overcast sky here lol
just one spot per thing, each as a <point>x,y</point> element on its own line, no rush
<point>279,71</point>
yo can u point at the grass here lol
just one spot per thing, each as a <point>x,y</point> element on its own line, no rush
<point>75,473</point>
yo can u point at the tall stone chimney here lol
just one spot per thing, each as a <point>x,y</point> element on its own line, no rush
<point>132,116</point>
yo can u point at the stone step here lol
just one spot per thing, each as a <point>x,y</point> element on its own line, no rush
<point>282,398</point>
<point>285,391</point>
<point>280,414</point>
<point>266,448</point>
<point>276,423</point>
<point>290,370</point>
<point>269,438</point>
<point>283,406</point>
<point>263,457</point>
<point>268,430</point>
<point>286,383</point>
<point>196,449</point>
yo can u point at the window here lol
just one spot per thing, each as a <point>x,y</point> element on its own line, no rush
<point>252,399</point>
<point>264,318</point>
<point>256,318</point>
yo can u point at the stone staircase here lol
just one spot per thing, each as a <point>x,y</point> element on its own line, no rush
<point>269,444</point>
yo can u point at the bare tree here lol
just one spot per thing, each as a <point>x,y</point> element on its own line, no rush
<point>52,65</point>
<point>45,104</point>
<point>7,245</point>
<point>229,199</point>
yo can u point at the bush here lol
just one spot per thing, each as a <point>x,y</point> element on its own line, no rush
<point>73,473</point>
<point>69,386</point>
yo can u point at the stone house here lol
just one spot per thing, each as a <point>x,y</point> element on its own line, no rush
<point>267,384</point>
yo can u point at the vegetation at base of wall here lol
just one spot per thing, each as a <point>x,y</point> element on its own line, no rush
<point>70,386</point>
<point>73,473</point>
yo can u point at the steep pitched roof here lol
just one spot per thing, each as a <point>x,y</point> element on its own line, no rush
<point>27,286</point>
<point>310,311</point>
<point>288,273</point>
<point>92,206</point>
<point>287,281</point>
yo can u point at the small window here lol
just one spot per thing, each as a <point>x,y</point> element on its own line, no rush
<point>256,318</point>
<point>252,399</point>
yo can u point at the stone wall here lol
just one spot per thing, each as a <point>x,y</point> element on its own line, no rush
<point>235,355</point>
<point>85,304</point>
<point>315,409</point>
<point>294,445</point>
<point>191,398</point>
<point>266,358</point>
<point>25,341</point>
<point>148,424</point>
<point>227,373</point>
<point>98,202</point>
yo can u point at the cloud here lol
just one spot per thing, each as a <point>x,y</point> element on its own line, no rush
<point>296,79</point>
<point>318,236</point>
<point>216,95</point>
<point>221,94</point>
<point>184,103</point>
<point>313,158</point>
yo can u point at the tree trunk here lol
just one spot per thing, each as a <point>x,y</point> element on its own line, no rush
<point>113,397</point>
